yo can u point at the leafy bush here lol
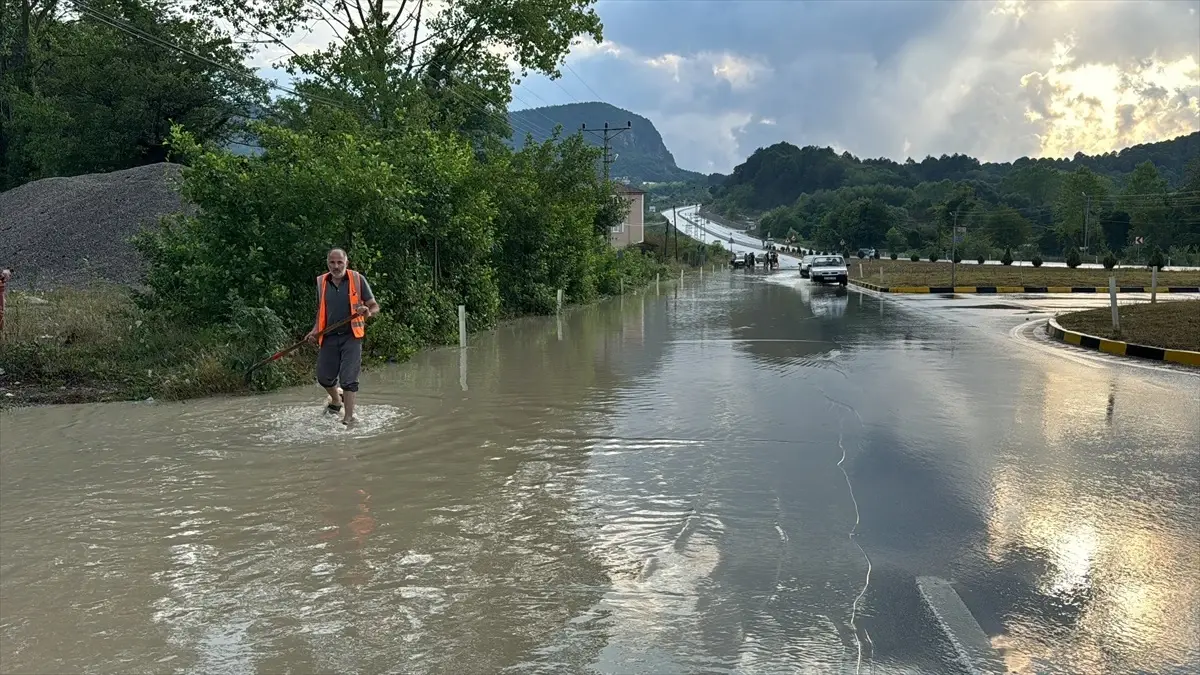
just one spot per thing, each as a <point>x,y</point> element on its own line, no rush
<point>1156,258</point>
<point>957,257</point>
<point>894,256</point>
<point>1037,260</point>
<point>429,225</point>
<point>1007,258</point>
<point>1110,261</point>
<point>981,260</point>
<point>933,257</point>
<point>1073,259</point>
<point>914,257</point>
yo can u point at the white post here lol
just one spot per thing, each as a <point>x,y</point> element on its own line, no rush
<point>462,369</point>
<point>1112,297</point>
<point>701,273</point>
<point>1153,285</point>
<point>622,285</point>
<point>560,300</point>
<point>462,325</point>
<point>860,270</point>
<point>881,275</point>
<point>681,275</point>
<point>656,276</point>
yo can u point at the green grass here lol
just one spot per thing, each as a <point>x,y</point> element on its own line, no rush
<point>95,344</point>
<point>1170,324</point>
<point>925,273</point>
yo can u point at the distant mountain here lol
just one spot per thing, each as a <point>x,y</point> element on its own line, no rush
<point>778,175</point>
<point>641,155</point>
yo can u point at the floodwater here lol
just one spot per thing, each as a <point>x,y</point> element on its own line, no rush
<point>743,475</point>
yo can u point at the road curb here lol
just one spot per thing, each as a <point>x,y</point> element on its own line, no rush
<point>1181,356</point>
<point>989,290</point>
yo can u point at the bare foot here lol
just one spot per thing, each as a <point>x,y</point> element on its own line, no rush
<point>333,402</point>
<point>350,421</point>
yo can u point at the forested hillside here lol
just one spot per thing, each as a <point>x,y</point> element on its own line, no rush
<point>1127,202</point>
<point>641,155</point>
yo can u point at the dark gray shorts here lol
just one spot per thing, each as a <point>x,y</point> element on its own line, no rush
<point>339,360</point>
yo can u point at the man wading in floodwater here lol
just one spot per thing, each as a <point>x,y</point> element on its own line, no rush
<point>340,291</point>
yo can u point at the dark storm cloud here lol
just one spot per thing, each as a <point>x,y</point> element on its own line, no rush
<point>892,79</point>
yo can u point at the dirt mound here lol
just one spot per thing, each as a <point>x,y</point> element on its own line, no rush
<point>59,232</point>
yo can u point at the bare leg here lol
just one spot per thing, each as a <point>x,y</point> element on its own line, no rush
<point>335,395</point>
<point>348,398</point>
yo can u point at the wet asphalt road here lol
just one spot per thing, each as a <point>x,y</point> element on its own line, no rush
<point>743,475</point>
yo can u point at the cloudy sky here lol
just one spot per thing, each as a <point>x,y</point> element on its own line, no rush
<point>996,79</point>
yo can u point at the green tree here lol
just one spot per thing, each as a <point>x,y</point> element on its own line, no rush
<point>551,224</point>
<point>862,222</point>
<point>391,67</point>
<point>1186,206</point>
<point>895,240</point>
<point>86,96</point>
<point>1145,199</point>
<point>413,213</point>
<point>1037,182</point>
<point>1007,228</point>
<point>1079,189</point>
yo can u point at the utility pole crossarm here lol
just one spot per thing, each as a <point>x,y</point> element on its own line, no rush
<point>606,135</point>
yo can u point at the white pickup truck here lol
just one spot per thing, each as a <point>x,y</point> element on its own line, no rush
<point>827,268</point>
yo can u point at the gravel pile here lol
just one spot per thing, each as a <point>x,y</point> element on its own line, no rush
<point>59,232</point>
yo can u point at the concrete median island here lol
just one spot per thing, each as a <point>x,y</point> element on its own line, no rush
<point>906,276</point>
<point>1163,331</point>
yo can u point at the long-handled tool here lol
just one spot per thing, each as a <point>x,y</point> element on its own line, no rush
<point>288,350</point>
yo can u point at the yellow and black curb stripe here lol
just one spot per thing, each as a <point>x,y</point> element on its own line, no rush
<point>1020,289</point>
<point>1183,356</point>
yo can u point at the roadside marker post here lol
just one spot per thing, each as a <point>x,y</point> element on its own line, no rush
<point>462,325</point>
<point>1112,296</point>
<point>1153,285</point>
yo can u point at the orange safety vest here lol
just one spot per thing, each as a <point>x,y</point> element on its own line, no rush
<point>358,325</point>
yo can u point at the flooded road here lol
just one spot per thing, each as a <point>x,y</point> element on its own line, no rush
<point>743,475</point>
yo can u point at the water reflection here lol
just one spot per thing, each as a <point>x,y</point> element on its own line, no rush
<point>444,540</point>
<point>668,482</point>
<point>1097,533</point>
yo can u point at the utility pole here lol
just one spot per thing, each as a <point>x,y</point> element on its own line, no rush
<point>607,134</point>
<point>953,251</point>
<point>1087,209</point>
<point>675,227</point>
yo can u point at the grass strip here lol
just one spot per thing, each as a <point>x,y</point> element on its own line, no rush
<point>1169,324</point>
<point>925,273</point>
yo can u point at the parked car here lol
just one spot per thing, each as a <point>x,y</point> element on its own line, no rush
<point>805,263</point>
<point>827,268</point>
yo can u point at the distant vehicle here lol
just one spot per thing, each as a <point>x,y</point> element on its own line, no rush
<point>737,262</point>
<point>866,253</point>
<point>805,263</point>
<point>827,268</point>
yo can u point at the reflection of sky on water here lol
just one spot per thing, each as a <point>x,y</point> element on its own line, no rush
<point>1107,525</point>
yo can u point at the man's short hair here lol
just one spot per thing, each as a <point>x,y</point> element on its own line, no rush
<point>337,250</point>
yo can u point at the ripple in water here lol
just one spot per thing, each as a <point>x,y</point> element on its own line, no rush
<point>292,424</point>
